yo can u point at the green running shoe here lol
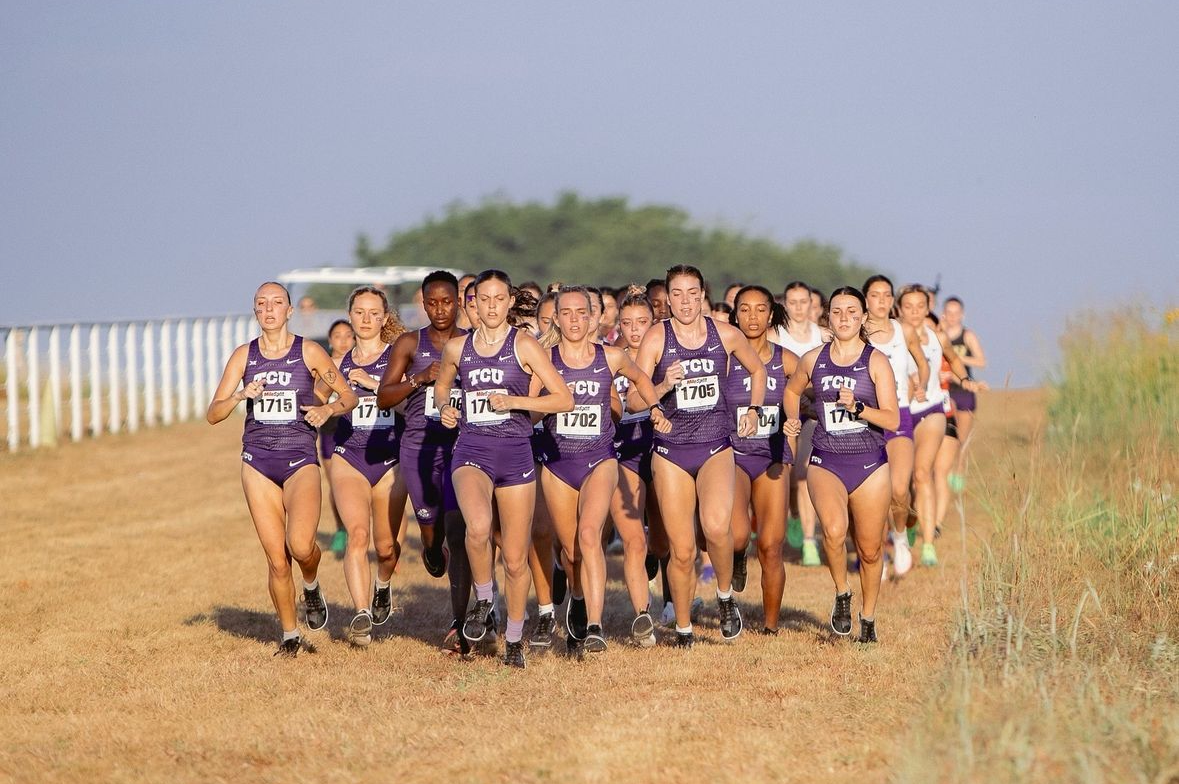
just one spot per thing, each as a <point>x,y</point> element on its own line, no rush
<point>911,535</point>
<point>810,553</point>
<point>340,542</point>
<point>794,532</point>
<point>957,483</point>
<point>928,555</point>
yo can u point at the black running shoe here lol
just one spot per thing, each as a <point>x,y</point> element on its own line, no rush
<point>642,630</point>
<point>740,570</point>
<point>560,584</point>
<point>867,630</point>
<point>576,618</point>
<point>360,630</point>
<point>476,623</point>
<point>574,649</point>
<point>542,635</point>
<point>652,564</point>
<point>317,611</point>
<point>683,640</point>
<point>288,649</point>
<point>595,639</point>
<point>768,632</point>
<point>730,619</point>
<point>434,559</point>
<point>489,645</point>
<point>382,604</point>
<point>514,654</point>
<point>841,614</point>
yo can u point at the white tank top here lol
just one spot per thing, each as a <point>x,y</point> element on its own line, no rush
<point>932,349</point>
<point>798,348</point>
<point>898,357</point>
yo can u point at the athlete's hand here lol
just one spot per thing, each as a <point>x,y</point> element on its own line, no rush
<point>316,415</point>
<point>747,425</point>
<point>661,423</point>
<point>827,334</point>
<point>674,374</point>
<point>919,394</point>
<point>500,403</point>
<point>970,385</point>
<point>792,428</point>
<point>449,415</point>
<point>362,379</point>
<point>253,389</point>
<point>846,398</point>
<point>429,374</point>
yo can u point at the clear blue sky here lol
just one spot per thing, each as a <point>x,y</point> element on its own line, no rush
<point>163,158</point>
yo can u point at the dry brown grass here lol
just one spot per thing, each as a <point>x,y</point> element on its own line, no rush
<point>139,640</point>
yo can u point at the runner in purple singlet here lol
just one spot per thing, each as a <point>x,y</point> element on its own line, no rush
<point>341,339</point>
<point>855,402</point>
<point>693,463</point>
<point>280,469</point>
<point>492,461</point>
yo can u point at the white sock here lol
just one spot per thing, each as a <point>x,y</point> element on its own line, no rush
<point>544,609</point>
<point>723,594</point>
<point>311,586</point>
<point>683,629</point>
<point>293,634</point>
<point>577,598</point>
<point>382,585</point>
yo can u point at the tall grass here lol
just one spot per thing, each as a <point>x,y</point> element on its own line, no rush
<point>1066,651</point>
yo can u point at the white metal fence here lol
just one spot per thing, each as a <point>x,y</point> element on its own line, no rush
<point>70,380</point>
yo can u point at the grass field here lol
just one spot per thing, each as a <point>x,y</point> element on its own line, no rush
<point>140,640</point>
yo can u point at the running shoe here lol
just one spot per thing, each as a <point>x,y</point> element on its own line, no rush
<point>683,640</point>
<point>768,632</point>
<point>841,614</point>
<point>740,570</point>
<point>489,645</point>
<point>542,635</point>
<point>867,630</point>
<point>339,543</point>
<point>937,532</point>
<point>730,619</point>
<point>288,649</point>
<point>794,535</point>
<point>667,617</point>
<point>317,611</point>
<point>957,483</point>
<point>435,559</point>
<point>595,639</point>
<point>360,630</point>
<point>707,574</point>
<point>695,610</point>
<point>902,556</point>
<point>911,535</point>
<point>452,643</point>
<point>514,654</point>
<point>928,554</point>
<point>477,621</point>
<point>652,564</point>
<point>576,618</point>
<point>642,630</point>
<point>382,604</point>
<point>810,553</point>
<point>560,583</point>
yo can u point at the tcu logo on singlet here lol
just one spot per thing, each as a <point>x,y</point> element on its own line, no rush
<point>835,382</point>
<point>698,365</point>
<point>485,376</point>
<point>771,383</point>
<point>280,377</point>
<point>584,387</point>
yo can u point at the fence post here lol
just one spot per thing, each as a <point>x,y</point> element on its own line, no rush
<point>198,366</point>
<point>240,335</point>
<point>12,389</point>
<point>213,371</point>
<point>116,405</point>
<point>149,375</point>
<point>132,340</point>
<point>183,390</point>
<point>95,383</point>
<point>55,377</point>
<point>76,382</point>
<point>33,362</point>
<point>166,388</point>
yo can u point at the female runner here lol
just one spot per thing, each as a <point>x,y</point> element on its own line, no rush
<point>427,446</point>
<point>693,462</point>
<point>280,470</point>
<point>492,457</point>
<point>364,475</point>
<point>901,344</point>
<point>855,401</point>
<point>581,473</point>
<point>798,335</point>
<point>341,339</point>
<point>967,346</point>
<point>762,455</point>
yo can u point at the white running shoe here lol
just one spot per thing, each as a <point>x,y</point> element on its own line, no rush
<point>668,616</point>
<point>902,556</point>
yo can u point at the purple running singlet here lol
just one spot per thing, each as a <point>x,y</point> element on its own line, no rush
<point>696,407</point>
<point>427,445</point>
<point>849,448</point>
<point>367,437</point>
<point>584,437</point>
<point>756,453</point>
<point>277,440</point>
<point>633,436</point>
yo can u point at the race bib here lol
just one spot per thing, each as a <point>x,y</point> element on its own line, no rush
<point>583,421</point>
<point>479,410</point>
<point>841,420</point>
<point>276,406</point>
<point>767,421</point>
<point>367,416</point>
<point>697,393</point>
<point>628,417</point>
<point>456,400</point>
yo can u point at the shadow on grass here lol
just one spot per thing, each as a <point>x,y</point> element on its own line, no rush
<point>247,624</point>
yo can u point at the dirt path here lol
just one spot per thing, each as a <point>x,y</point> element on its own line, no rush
<point>139,639</point>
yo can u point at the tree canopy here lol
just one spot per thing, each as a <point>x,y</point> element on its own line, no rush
<point>604,242</point>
